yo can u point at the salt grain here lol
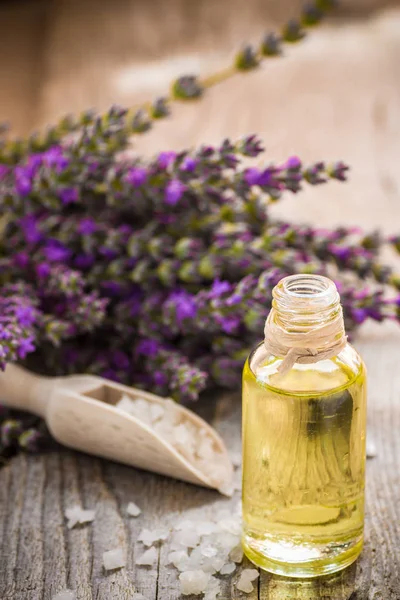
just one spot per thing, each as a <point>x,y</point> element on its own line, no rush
<point>236,554</point>
<point>202,548</point>
<point>246,578</point>
<point>244,585</point>
<point>371,449</point>
<point>184,539</point>
<point>65,595</point>
<point>150,537</point>
<point>185,525</point>
<point>213,589</point>
<point>227,540</point>
<point>114,559</point>
<point>125,404</point>
<point>209,551</point>
<point>193,582</point>
<point>228,568</point>
<point>251,574</point>
<point>206,527</point>
<point>76,514</point>
<point>218,563</point>
<point>231,526</point>
<point>194,443</point>
<point>133,510</point>
<point>156,411</point>
<point>179,559</point>
<point>148,558</point>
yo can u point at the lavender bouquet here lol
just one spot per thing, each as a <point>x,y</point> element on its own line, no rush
<point>159,274</point>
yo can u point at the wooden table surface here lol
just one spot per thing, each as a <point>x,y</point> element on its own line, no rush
<point>40,555</point>
<point>335,96</point>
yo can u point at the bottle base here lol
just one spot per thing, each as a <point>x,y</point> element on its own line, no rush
<point>301,560</point>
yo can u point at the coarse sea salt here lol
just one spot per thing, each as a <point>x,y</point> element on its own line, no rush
<point>195,444</point>
<point>65,595</point>
<point>148,558</point>
<point>371,451</point>
<point>236,555</point>
<point>133,510</point>
<point>149,537</point>
<point>114,559</point>
<point>180,559</point>
<point>247,576</point>
<point>76,514</point>
<point>202,548</point>
<point>184,539</point>
<point>213,589</point>
<point>193,582</point>
<point>227,568</point>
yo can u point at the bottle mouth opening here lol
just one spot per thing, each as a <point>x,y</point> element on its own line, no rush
<point>305,298</point>
<point>308,286</point>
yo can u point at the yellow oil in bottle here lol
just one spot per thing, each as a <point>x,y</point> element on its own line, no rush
<point>303,463</point>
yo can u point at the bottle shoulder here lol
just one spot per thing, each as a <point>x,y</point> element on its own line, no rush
<point>322,376</point>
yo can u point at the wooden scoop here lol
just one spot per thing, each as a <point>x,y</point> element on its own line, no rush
<point>80,413</point>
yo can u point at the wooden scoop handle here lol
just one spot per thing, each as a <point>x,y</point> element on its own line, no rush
<point>23,390</point>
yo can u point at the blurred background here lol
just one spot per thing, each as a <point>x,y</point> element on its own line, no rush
<point>334,96</point>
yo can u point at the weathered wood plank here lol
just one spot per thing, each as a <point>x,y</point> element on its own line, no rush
<point>109,533</point>
<point>15,481</point>
<point>21,45</point>
<point>77,539</point>
<point>55,574</point>
<point>30,564</point>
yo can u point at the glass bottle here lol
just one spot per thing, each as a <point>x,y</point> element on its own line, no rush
<point>304,419</point>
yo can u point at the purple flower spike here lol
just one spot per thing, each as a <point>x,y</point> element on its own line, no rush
<point>23,184</point>
<point>25,315</point>
<point>148,347</point>
<point>189,164</point>
<point>174,192</point>
<point>84,261</point>
<point>359,315</point>
<point>54,158</point>
<point>229,324</point>
<point>252,176</point>
<point>43,270</point>
<point>165,159</point>
<point>160,378</point>
<point>184,304</point>
<point>136,176</point>
<point>25,347</point>
<point>21,259</point>
<point>292,163</point>
<point>87,226</point>
<point>266,178</point>
<point>219,288</point>
<point>69,196</point>
<point>28,225</point>
<point>55,251</point>
<point>120,359</point>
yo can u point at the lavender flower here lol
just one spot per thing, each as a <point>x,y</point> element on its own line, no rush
<point>160,273</point>
<point>247,59</point>
<point>69,195</point>
<point>174,192</point>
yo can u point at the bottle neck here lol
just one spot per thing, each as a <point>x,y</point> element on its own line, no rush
<point>305,324</point>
